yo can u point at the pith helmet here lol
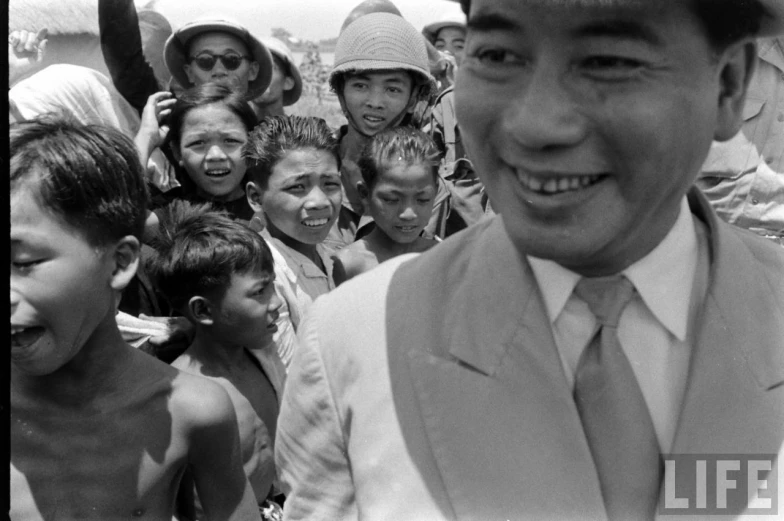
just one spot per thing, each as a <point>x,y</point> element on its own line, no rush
<point>382,41</point>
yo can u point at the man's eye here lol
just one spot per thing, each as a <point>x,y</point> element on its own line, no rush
<point>496,57</point>
<point>617,63</point>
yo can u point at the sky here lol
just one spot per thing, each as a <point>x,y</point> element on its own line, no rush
<point>307,19</point>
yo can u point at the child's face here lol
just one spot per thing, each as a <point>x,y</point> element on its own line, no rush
<point>211,143</point>
<point>279,84</point>
<point>402,200</point>
<point>378,100</point>
<point>60,287</point>
<point>451,39</point>
<point>246,313</point>
<point>303,195</point>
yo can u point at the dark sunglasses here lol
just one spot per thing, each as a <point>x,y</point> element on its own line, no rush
<point>206,61</point>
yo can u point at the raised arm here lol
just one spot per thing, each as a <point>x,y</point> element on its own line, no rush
<point>121,44</point>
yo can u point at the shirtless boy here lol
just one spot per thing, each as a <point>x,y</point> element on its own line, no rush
<point>219,275</point>
<point>398,188</point>
<point>99,430</point>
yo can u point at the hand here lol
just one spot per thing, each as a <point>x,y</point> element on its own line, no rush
<point>25,53</point>
<point>152,133</point>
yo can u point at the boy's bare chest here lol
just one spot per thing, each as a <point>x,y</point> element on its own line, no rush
<point>122,465</point>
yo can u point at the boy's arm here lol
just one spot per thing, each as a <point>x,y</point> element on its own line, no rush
<point>215,458</point>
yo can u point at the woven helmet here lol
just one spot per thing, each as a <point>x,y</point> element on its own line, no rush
<point>379,42</point>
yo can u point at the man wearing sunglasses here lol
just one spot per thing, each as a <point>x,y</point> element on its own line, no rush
<point>220,51</point>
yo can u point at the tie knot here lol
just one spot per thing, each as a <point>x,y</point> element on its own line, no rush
<point>606,297</point>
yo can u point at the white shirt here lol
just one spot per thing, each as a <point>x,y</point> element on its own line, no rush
<point>653,328</point>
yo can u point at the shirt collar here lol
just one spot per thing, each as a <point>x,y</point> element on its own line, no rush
<point>663,278</point>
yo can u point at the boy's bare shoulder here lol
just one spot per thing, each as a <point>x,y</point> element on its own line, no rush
<point>356,257</point>
<point>199,401</point>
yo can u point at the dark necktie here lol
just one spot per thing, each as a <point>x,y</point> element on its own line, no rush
<point>612,409</point>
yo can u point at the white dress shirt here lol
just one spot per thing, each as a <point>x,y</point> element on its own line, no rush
<point>654,327</point>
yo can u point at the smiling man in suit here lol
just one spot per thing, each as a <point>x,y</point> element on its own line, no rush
<point>544,364</point>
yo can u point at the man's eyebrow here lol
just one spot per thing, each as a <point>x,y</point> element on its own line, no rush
<point>622,29</point>
<point>490,21</point>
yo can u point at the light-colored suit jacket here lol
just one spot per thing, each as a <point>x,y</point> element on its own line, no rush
<point>432,388</point>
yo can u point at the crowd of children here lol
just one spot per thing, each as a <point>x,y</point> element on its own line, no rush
<point>260,215</point>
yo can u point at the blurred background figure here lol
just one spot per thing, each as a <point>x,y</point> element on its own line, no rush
<point>447,32</point>
<point>743,178</point>
<point>285,86</point>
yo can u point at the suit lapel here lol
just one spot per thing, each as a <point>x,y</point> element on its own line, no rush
<point>494,400</point>
<point>733,400</point>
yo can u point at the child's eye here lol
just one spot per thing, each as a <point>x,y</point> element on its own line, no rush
<point>26,265</point>
<point>423,201</point>
<point>497,56</point>
<point>194,144</point>
<point>390,200</point>
<point>611,68</point>
<point>295,188</point>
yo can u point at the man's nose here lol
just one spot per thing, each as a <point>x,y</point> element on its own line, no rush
<point>545,114</point>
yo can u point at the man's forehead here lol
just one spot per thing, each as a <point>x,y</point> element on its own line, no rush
<point>218,38</point>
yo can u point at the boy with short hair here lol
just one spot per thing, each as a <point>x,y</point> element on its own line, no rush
<point>285,86</point>
<point>98,429</point>
<point>219,274</point>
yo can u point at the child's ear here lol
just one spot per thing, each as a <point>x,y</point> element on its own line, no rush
<point>125,261</point>
<point>253,194</point>
<point>288,83</point>
<point>200,310</point>
<point>363,190</point>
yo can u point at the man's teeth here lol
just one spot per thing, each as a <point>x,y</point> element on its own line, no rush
<point>556,184</point>
<point>314,223</point>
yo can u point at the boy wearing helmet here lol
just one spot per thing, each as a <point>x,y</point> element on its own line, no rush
<point>380,73</point>
<point>285,86</point>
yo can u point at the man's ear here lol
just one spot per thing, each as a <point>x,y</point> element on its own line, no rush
<point>200,310</point>
<point>736,67</point>
<point>125,261</point>
<point>253,70</point>
<point>414,99</point>
<point>363,190</point>
<point>254,196</point>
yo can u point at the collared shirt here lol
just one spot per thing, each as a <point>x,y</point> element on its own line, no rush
<point>298,281</point>
<point>743,178</point>
<point>654,327</point>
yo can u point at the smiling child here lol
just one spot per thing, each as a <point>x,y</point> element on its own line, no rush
<point>98,428</point>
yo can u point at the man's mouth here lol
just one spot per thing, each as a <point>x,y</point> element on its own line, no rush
<point>557,184</point>
<point>315,223</point>
<point>218,172</point>
<point>22,337</point>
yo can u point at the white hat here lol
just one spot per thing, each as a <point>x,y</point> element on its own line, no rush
<point>282,51</point>
<point>174,52</point>
<point>452,16</point>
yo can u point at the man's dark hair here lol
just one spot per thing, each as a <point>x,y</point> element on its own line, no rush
<point>724,21</point>
<point>276,136</point>
<point>398,144</point>
<point>198,248</point>
<point>89,175</point>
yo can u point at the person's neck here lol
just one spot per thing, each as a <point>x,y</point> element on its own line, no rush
<point>93,374</point>
<point>308,250</point>
<point>267,110</point>
<point>214,350</point>
<point>238,193</point>
<point>386,248</point>
<point>352,144</point>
